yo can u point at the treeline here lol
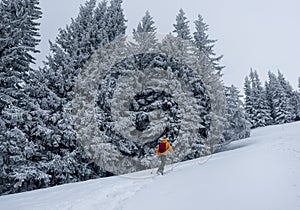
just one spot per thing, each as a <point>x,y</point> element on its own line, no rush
<point>38,145</point>
<point>273,103</point>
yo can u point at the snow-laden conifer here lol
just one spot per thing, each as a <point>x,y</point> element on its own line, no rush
<point>181,26</point>
<point>237,124</point>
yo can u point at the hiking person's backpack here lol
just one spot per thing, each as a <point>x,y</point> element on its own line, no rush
<point>162,147</point>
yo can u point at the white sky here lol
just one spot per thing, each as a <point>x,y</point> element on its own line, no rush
<point>262,34</point>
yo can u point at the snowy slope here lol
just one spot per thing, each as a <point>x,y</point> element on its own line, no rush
<point>261,173</point>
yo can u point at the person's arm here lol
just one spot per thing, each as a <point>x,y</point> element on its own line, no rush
<point>171,148</point>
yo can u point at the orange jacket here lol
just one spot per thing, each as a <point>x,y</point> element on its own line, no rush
<point>168,146</point>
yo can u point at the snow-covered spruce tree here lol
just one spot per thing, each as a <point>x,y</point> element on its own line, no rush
<point>18,41</point>
<point>98,36</point>
<point>204,44</point>
<point>146,25</point>
<point>211,78</point>
<point>182,50</point>
<point>66,161</point>
<point>261,112</point>
<point>71,49</point>
<point>115,20</point>
<point>287,88</point>
<point>75,44</point>
<point>297,93</point>
<point>277,100</point>
<point>249,100</point>
<point>284,83</point>
<point>213,83</point>
<point>237,124</point>
<point>144,36</point>
<point>181,26</point>
<point>19,113</point>
<point>295,102</point>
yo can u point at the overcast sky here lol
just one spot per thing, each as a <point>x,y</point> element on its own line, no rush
<point>262,34</point>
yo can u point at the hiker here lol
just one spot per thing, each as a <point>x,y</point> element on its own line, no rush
<point>162,152</point>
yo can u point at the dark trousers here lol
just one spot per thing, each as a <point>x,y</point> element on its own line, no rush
<point>163,159</point>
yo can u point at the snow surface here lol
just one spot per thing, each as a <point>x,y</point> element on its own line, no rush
<point>261,172</point>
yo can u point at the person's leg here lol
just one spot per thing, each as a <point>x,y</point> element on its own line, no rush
<point>163,162</point>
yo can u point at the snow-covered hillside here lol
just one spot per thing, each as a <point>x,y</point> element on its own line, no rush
<point>261,173</point>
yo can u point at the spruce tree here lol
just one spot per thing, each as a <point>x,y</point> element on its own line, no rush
<point>297,96</point>
<point>98,36</point>
<point>181,26</point>
<point>19,40</point>
<point>144,35</point>
<point>147,24</point>
<point>19,112</point>
<point>249,100</point>
<point>204,44</point>
<point>261,112</point>
<point>74,45</point>
<point>214,84</point>
<point>295,102</point>
<point>70,51</point>
<point>287,88</point>
<point>277,98</point>
<point>115,20</point>
<point>237,124</point>
<point>270,89</point>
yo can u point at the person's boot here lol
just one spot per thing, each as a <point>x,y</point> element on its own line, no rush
<point>159,172</point>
